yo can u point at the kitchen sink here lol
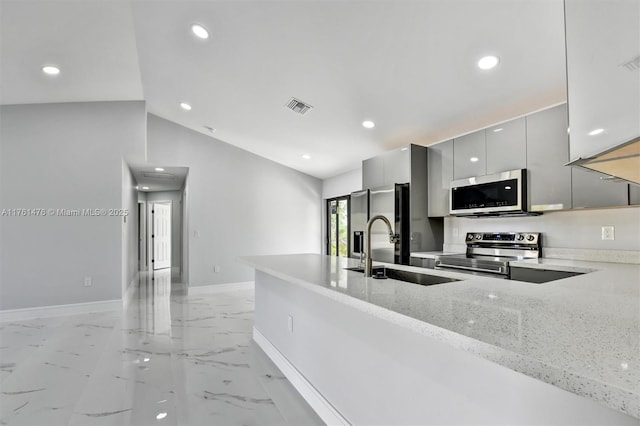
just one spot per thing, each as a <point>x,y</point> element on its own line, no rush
<point>407,276</point>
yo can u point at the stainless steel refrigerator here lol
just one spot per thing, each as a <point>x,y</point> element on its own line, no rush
<point>391,201</point>
<point>358,217</point>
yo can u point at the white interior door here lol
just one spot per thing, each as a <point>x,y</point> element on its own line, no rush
<point>161,235</point>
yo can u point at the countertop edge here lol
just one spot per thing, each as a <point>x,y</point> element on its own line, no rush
<point>578,384</point>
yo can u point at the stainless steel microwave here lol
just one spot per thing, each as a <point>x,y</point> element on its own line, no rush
<point>497,194</point>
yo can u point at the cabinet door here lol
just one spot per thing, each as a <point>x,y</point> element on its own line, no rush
<point>372,173</point>
<point>634,194</point>
<point>602,79</point>
<point>591,191</point>
<point>396,166</point>
<point>470,155</point>
<point>440,168</point>
<point>547,153</point>
<point>507,146</point>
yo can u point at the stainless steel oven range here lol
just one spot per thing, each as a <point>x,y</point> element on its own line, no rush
<point>489,253</point>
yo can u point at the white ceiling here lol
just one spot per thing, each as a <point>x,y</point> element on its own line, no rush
<point>407,65</point>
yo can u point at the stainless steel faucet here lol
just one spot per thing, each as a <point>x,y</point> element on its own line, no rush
<point>393,238</point>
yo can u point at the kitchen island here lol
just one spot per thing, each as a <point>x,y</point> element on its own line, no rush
<point>478,350</point>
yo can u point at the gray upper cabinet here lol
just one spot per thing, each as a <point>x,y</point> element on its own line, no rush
<point>602,77</point>
<point>470,155</point>
<point>547,152</point>
<point>373,172</point>
<point>390,167</point>
<point>590,190</point>
<point>634,194</point>
<point>507,146</point>
<point>396,166</point>
<point>440,167</point>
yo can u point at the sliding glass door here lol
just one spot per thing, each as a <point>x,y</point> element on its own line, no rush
<point>338,226</point>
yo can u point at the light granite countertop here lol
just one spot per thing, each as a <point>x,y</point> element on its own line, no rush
<point>581,334</point>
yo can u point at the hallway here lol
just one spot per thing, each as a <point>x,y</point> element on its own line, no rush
<point>170,358</point>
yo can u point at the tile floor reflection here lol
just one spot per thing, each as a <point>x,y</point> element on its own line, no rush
<point>170,358</point>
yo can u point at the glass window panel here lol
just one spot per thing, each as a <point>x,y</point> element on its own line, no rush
<point>343,227</point>
<point>333,228</point>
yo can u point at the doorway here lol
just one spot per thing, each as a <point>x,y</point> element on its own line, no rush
<point>142,236</point>
<point>161,235</point>
<point>338,226</point>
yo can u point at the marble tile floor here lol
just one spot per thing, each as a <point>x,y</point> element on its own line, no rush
<point>170,359</point>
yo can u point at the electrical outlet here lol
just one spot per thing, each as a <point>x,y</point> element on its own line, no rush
<point>87,282</point>
<point>608,233</point>
<point>290,323</point>
<point>216,268</point>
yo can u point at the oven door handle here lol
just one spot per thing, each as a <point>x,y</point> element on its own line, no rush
<point>468,268</point>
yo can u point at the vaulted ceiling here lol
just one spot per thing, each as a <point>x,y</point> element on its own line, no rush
<point>409,66</point>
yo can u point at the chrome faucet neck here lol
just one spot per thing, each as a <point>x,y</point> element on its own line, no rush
<point>392,238</point>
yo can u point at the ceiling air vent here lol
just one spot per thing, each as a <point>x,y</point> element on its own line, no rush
<point>159,175</point>
<point>296,105</point>
<point>633,64</point>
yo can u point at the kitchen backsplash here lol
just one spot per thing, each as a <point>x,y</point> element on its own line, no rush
<point>575,234</point>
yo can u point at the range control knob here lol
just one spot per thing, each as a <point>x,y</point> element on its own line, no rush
<point>469,237</point>
<point>520,237</point>
<point>530,237</point>
<point>478,236</point>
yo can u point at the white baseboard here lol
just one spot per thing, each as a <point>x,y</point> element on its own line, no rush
<point>219,288</point>
<point>320,405</point>
<point>59,310</point>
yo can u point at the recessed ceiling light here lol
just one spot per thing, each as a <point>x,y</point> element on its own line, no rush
<point>488,62</point>
<point>159,169</point>
<point>185,106</point>
<point>306,156</point>
<point>474,159</point>
<point>368,124</point>
<point>50,70</point>
<point>200,31</point>
<point>145,187</point>
<point>499,129</point>
<point>595,132</point>
<point>161,416</point>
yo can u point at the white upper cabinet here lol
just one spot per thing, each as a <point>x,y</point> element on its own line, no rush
<point>507,146</point>
<point>603,73</point>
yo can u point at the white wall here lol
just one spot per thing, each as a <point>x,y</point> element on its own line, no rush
<point>342,184</point>
<point>129,225</point>
<point>239,203</point>
<point>64,156</point>
<point>575,229</point>
<point>175,197</point>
